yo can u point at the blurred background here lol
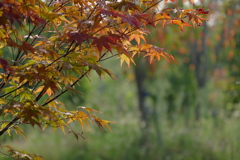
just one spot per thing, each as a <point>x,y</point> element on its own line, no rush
<point>185,110</point>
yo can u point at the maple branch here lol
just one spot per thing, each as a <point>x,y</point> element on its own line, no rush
<point>92,11</point>
<point>35,87</point>
<point>43,27</point>
<point>40,94</point>
<point>40,32</point>
<point>5,121</point>
<point>78,78</point>
<point>68,51</point>
<point>64,55</point>
<point>15,119</point>
<point>15,62</point>
<point>66,88</point>
<point>152,6</point>
<point>2,84</point>
<point>108,58</point>
<point>61,6</point>
<point>74,82</point>
<point>100,29</point>
<point>13,90</point>
<point>49,4</point>
<point>19,52</point>
<point>6,155</point>
<point>103,55</point>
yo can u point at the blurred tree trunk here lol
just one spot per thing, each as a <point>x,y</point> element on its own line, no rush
<point>140,77</point>
<point>147,115</point>
<point>200,61</point>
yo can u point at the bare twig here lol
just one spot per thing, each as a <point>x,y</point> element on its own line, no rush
<point>6,155</point>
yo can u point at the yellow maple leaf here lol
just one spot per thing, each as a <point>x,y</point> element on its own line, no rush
<point>126,59</point>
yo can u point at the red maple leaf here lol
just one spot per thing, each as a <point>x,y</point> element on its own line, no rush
<point>202,11</point>
<point>105,41</point>
<point>132,20</point>
<point>5,65</point>
<point>79,37</point>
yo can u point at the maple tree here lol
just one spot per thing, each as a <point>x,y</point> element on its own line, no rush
<point>47,47</point>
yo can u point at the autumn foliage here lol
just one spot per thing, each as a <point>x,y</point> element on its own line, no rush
<point>46,48</point>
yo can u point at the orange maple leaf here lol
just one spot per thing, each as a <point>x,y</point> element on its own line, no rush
<point>180,23</point>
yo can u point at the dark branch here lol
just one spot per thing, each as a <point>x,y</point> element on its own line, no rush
<point>15,119</point>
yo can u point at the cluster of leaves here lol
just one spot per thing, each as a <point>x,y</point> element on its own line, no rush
<point>22,154</point>
<point>46,48</point>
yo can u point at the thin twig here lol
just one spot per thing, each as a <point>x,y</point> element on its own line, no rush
<point>108,57</point>
<point>92,11</point>
<point>6,155</point>
<point>66,89</point>
<point>67,52</point>
<point>13,90</point>
<point>152,6</point>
